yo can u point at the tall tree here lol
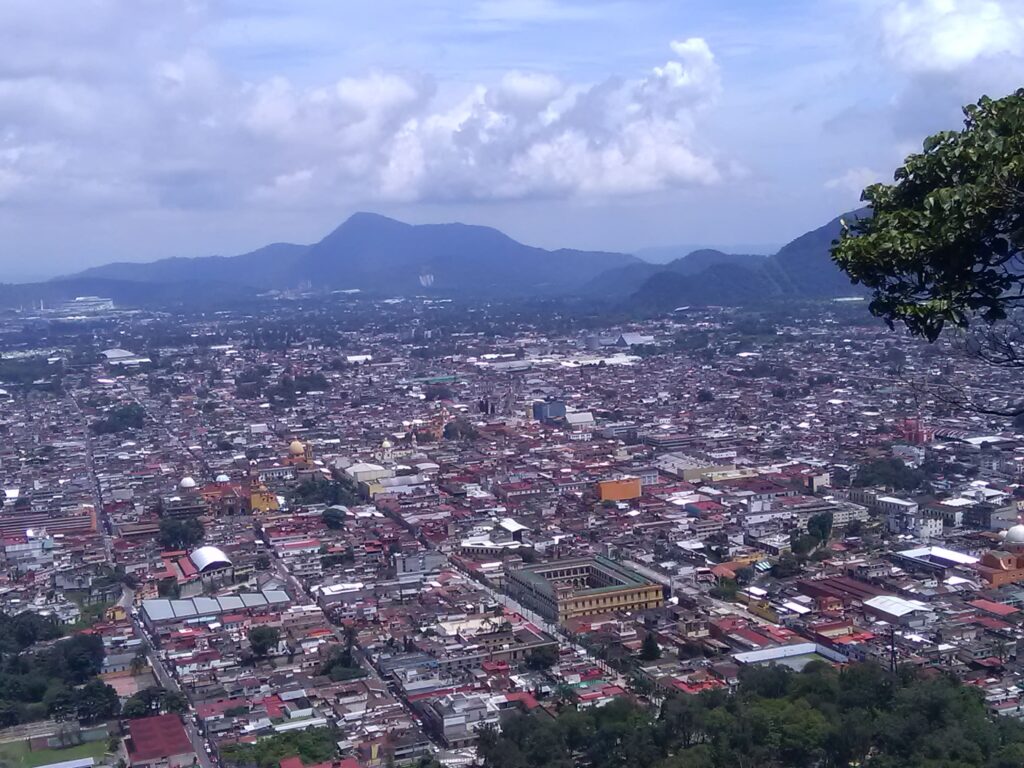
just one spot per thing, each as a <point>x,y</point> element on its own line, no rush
<point>943,244</point>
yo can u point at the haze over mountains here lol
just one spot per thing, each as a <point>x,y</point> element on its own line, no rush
<point>381,256</point>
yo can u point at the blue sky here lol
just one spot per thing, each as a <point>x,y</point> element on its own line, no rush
<point>138,129</point>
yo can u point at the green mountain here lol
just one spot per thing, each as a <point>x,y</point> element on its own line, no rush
<point>802,269</point>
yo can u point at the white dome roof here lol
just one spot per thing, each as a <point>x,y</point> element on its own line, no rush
<point>209,559</point>
<point>223,479</point>
<point>1015,535</point>
<point>186,483</point>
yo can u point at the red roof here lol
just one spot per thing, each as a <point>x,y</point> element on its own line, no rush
<point>156,737</point>
<point>996,609</point>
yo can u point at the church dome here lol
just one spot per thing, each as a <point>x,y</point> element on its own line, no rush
<point>296,448</point>
<point>1015,535</point>
<point>187,484</point>
<point>386,444</point>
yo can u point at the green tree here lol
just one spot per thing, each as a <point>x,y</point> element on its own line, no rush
<point>180,533</point>
<point>820,526</point>
<point>96,701</point>
<point>135,708</point>
<point>649,649</point>
<point>942,244</point>
<point>263,640</point>
<point>334,518</point>
<point>542,658</point>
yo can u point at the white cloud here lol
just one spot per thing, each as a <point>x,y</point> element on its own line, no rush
<point>926,36</point>
<point>530,136</point>
<point>854,180</point>
<point>170,126</point>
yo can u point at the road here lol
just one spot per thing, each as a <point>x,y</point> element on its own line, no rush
<point>166,680</point>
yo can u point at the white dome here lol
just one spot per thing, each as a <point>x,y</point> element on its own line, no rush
<point>386,444</point>
<point>186,483</point>
<point>223,479</point>
<point>1015,535</point>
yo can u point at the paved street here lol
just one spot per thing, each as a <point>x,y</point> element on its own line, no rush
<point>165,680</point>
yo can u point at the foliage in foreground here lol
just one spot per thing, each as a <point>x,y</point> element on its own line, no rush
<point>943,244</point>
<point>777,719</point>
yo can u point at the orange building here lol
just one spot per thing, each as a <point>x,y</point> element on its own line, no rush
<point>622,489</point>
<point>1005,565</point>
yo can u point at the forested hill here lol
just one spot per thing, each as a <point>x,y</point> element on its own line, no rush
<point>819,718</point>
<point>802,269</point>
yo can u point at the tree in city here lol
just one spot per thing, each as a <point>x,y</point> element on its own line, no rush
<point>96,701</point>
<point>649,649</point>
<point>154,701</point>
<point>334,518</point>
<point>542,658</point>
<point>262,562</point>
<point>262,640</point>
<point>181,533</point>
<point>820,526</point>
<point>820,717</point>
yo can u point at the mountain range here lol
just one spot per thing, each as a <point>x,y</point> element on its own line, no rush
<point>385,257</point>
<point>382,256</point>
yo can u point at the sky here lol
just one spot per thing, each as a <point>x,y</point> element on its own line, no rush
<point>132,130</point>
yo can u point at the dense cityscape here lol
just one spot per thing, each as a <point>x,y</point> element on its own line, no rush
<point>369,532</point>
<point>511,384</point>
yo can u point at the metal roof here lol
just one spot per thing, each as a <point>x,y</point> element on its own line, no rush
<point>209,558</point>
<point>168,610</point>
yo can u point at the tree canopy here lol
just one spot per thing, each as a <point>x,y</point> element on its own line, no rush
<point>943,244</point>
<point>263,640</point>
<point>184,533</point>
<point>778,718</point>
<point>57,681</point>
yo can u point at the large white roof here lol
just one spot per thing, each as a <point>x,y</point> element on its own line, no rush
<point>895,606</point>
<point>209,558</point>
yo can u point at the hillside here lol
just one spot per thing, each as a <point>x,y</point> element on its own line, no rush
<point>802,269</point>
<point>623,281</point>
<point>384,256</point>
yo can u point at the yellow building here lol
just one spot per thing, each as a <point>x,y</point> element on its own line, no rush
<point>567,589</point>
<point>261,500</point>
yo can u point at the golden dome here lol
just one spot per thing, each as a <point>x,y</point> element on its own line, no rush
<point>296,448</point>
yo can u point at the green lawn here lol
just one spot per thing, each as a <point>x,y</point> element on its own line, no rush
<point>16,754</point>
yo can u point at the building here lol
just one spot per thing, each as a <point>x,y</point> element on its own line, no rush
<point>159,742</point>
<point>621,489</point>
<point>566,589</point>
<point>457,718</point>
<point>1005,565</point>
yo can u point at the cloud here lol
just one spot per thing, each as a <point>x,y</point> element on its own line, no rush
<point>941,54</point>
<point>854,180</point>
<point>926,36</point>
<point>159,122</point>
<point>530,136</point>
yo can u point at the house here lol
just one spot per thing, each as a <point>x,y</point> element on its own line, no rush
<point>159,742</point>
